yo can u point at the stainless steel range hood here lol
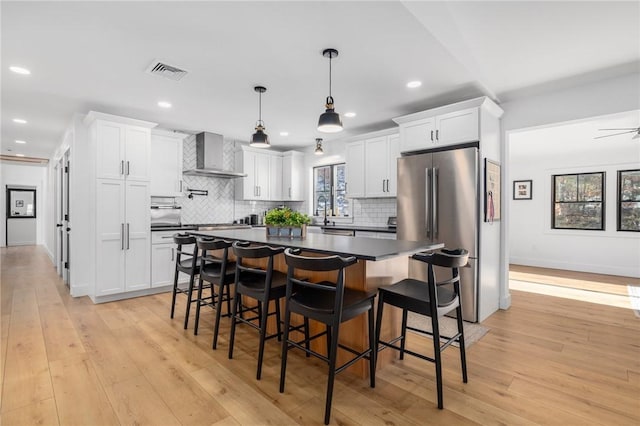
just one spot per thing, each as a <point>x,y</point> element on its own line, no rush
<point>209,158</point>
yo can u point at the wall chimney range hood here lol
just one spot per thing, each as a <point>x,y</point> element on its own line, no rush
<point>209,158</point>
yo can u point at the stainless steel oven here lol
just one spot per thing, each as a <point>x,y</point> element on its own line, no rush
<point>165,215</point>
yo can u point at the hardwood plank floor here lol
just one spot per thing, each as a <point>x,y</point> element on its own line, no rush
<point>544,361</point>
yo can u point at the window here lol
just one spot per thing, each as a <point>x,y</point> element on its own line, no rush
<point>629,200</point>
<point>329,190</point>
<point>578,201</point>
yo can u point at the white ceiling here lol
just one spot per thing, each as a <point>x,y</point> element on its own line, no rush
<point>88,55</point>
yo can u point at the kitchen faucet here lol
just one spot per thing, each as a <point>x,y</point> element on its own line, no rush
<point>324,201</point>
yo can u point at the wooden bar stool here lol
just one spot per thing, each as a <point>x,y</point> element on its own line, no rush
<point>330,303</point>
<point>218,272</point>
<point>263,285</point>
<point>188,263</point>
<point>433,299</point>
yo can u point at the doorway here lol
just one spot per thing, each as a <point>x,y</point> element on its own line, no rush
<point>21,216</point>
<point>62,218</point>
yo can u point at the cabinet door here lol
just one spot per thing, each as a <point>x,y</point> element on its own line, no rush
<point>417,135</point>
<point>392,174</point>
<point>376,167</point>
<point>166,166</point>
<point>355,159</point>
<point>458,127</point>
<point>287,177</point>
<point>110,230</point>
<point>137,236</point>
<point>275,178</point>
<point>110,141</point>
<point>246,188</point>
<point>137,153</point>
<point>262,176</point>
<point>297,178</point>
<point>162,264</point>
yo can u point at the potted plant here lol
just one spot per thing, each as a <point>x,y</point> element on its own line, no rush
<point>284,222</point>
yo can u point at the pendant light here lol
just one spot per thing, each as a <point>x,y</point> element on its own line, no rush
<point>260,139</point>
<point>319,150</point>
<point>330,121</point>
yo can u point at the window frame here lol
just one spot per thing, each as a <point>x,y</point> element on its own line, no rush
<point>620,200</point>
<point>333,192</point>
<point>601,202</point>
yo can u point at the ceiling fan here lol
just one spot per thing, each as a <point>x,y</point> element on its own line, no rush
<point>626,130</point>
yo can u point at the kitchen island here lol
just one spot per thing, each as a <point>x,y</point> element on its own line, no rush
<point>380,262</point>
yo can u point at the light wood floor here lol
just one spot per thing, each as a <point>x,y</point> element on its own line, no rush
<point>66,361</point>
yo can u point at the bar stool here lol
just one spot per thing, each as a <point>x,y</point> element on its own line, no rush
<point>263,285</point>
<point>432,299</point>
<point>189,265</point>
<point>331,304</point>
<point>218,272</point>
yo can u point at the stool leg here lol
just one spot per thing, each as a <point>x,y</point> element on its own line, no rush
<point>372,348</point>
<point>278,325</point>
<point>199,298</point>
<point>285,347</point>
<point>437,355</point>
<point>228,286</point>
<point>232,335</point>
<point>189,296</point>
<point>333,354</point>
<point>463,357</point>
<point>216,326</point>
<point>404,333</point>
<point>379,324</point>
<point>263,332</point>
<point>175,290</point>
<point>307,342</point>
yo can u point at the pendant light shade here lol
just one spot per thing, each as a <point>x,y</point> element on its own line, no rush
<point>319,150</point>
<point>260,139</point>
<point>330,121</point>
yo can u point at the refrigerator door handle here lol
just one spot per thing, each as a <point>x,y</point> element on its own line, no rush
<point>434,203</point>
<point>427,201</point>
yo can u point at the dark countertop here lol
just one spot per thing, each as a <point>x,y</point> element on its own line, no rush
<point>360,228</point>
<point>362,248</point>
<point>174,228</point>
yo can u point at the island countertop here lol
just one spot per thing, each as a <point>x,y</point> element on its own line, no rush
<point>360,247</point>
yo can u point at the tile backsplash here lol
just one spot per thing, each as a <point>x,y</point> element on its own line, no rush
<point>372,211</point>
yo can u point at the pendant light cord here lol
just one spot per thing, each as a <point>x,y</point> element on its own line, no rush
<point>330,58</point>
<point>260,108</point>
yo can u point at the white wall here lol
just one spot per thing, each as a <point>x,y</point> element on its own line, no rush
<point>14,173</point>
<point>610,96</point>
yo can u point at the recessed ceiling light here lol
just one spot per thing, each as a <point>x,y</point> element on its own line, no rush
<point>284,133</point>
<point>20,70</point>
<point>164,104</point>
<point>414,84</point>
<point>350,114</point>
<point>19,141</point>
<point>19,155</point>
<point>20,121</point>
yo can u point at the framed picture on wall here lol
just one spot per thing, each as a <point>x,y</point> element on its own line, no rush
<point>522,189</point>
<point>492,192</point>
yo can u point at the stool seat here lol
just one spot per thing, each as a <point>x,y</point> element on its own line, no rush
<point>313,300</point>
<point>186,265</point>
<point>213,270</point>
<point>414,295</point>
<point>250,281</point>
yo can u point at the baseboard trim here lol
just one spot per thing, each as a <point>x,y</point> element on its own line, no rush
<point>131,295</point>
<point>578,267</point>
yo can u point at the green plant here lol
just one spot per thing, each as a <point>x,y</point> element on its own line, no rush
<point>286,217</point>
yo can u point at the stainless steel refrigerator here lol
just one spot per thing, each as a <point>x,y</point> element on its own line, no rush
<point>438,201</point>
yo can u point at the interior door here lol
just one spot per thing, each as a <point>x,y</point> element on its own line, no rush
<point>59,215</point>
<point>66,221</point>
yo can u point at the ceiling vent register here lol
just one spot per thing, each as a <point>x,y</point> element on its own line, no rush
<point>167,71</point>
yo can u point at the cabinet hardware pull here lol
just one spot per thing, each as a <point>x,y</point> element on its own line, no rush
<point>127,236</point>
<point>180,185</point>
<point>383,185</point>
<point>172,254</point>
<point>122,236</point>
<point>432,136</point>
<point>121,167</point>
<point>437,137</point>
<point>127,168</point>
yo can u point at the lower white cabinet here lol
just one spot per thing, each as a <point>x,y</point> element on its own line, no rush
<point>163,259</point>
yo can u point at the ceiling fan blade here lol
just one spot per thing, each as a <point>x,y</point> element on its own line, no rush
<point>624,128</point>
<point>615,134</point>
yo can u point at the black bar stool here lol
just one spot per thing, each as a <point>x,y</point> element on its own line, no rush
<point>263,285</point>
<point>218,272</point>
<point>188,263</point>
<point>432,299</point>
<point>329,303</point>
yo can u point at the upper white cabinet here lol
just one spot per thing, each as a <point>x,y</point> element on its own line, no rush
<point>271,175</point>
<point>372,166</point>
<point>166,163</point>
<point>292,176</point>
<point>448,125</point>
<point>355,159</point>
<point>381,159</point>
<point>123,151</point>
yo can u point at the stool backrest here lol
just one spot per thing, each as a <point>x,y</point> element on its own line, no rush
<point>182,240</point>
<point>206,244</point>
<point>319,264</point>
<point>243,249</point>
<point>445,258</point>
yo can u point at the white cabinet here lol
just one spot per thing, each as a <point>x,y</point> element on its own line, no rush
<point>275,178</point>
<point>381,156</point>
<point>293,176</point>
<point>355,159</point>
<point>166,163</point>
<point>271,175</point>
<point>378,235</point>
<point>122,203</point>
<point>431,129</point>
<point>163,259</point>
